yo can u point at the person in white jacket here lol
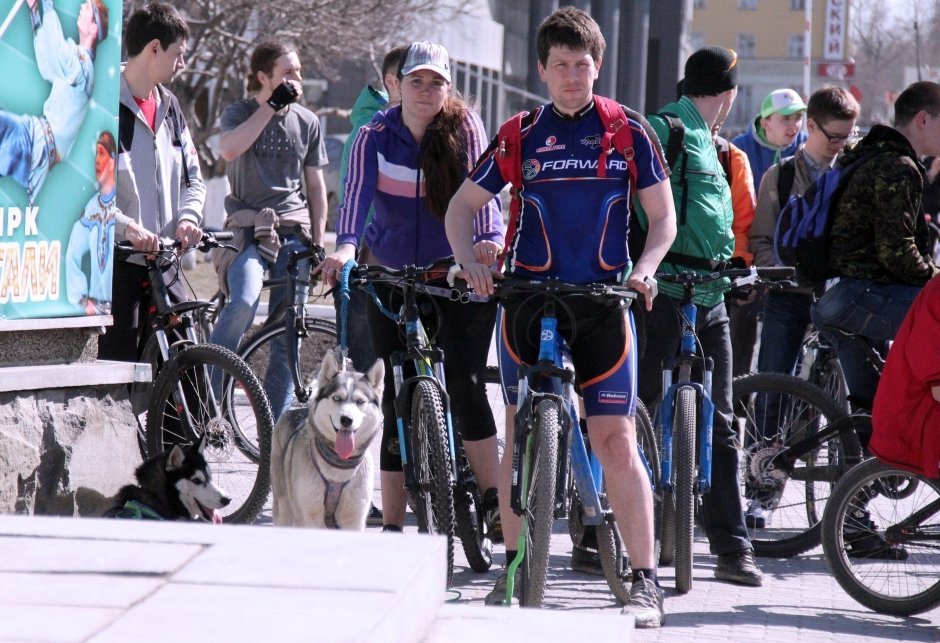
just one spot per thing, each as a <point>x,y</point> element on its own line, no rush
<point>30,146</point>
<point>160,191</point>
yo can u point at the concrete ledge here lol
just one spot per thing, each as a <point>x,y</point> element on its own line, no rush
<point>46,323</point>
<point>58,376</point>
<point>142,580</point>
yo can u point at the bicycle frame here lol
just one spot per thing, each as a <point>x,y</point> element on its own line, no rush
<point>556,382</point>
<point>683,363</point>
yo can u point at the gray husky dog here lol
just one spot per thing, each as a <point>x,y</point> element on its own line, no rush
<point>321,467</point>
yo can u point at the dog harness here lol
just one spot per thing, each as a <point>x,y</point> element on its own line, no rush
<point>333,490</point>
<point>134,510</point>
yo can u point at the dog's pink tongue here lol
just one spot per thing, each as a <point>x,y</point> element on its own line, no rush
<point>345,444</point>
<point>216,517</point>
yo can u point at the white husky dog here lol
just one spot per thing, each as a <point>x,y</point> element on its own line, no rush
<point>321,467</point>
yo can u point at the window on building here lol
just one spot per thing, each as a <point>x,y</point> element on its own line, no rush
<point>796,46</point>
<point>750,5</point>
<point>745,46</point>
<point>696,41</point>
<point>698,4</point>
<point>797,5</point>
<point>744,109</point>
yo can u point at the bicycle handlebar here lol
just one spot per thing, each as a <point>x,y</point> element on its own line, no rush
<point>510,285</point>
<point>210,240</point>
<point>738,276</point>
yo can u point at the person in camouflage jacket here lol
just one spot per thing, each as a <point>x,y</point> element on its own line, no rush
<point>879,240</point>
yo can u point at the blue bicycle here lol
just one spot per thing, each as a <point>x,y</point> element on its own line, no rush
<point>547,438</point>
<point>685,419</point>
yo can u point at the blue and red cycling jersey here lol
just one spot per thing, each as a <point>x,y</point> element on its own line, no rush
<point>573,224</point>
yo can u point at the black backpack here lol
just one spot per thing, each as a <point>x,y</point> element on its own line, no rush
<point>174,118</point>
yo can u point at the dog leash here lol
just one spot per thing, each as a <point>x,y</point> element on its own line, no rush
<point>343,348</point>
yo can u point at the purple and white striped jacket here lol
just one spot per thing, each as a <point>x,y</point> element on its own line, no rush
<point>384,172</point>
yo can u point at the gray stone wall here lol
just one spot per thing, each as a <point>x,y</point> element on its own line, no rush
<point>65,451</point>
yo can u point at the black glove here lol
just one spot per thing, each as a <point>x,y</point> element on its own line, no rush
<point>283,95</point>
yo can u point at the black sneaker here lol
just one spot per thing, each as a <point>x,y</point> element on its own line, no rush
<point>374,517</point>
<point>646,604</point>
<point>494,525</point>
<point>391,529</point>
<point>586,561</point>
<point>498,595</point>
<point>739,567</point>
<point>862,539</point>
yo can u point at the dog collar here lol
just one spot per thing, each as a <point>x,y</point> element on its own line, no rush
<point>327,453</point>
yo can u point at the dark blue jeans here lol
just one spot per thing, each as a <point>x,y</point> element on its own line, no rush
<point>722,515</point>
<point>358,335</point>
<point>869,309</point>
<point>786,316</point>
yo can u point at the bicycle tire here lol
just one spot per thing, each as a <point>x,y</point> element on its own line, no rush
<point>683,441</point>
<point>433,500</point>
<point>888,586</point>
<point>468,517</point>
<point>256,351</point>
<point>246,480</point>
<point>798,500</point>
<point>540,470</point>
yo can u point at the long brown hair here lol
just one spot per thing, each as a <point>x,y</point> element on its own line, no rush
<point>444,158</point>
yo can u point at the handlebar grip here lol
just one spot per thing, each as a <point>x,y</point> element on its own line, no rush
<point>776,272</point>
<point>223,235</point>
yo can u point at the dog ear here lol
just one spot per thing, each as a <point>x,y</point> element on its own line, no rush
<point>328,369</point>
<point>175,460</point>
<point>376,376</point>
<point>201,445</point>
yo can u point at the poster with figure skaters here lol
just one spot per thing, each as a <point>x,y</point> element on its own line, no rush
<point>58,125</point>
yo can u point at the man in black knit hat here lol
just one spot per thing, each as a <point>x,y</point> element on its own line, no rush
<point>704,237</point>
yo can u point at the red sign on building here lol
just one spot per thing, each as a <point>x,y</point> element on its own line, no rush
<point>836,70</point>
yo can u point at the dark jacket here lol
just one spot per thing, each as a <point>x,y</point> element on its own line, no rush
<point>878,227</point>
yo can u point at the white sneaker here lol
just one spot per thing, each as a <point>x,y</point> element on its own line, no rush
<point>757,515</point>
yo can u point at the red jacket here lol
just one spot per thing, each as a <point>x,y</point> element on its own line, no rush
<point>906,417</point>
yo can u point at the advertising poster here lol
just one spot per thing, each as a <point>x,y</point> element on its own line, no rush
<point>58,127</point>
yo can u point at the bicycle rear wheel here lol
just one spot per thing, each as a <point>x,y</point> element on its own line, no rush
<point>184,406</point>
<point>774,412</point>
<point>683,457</point>
<point>539,474</point>
<point>320,338</point>
<point>433,500</point>
<point>882,553</point>
<point>468,516</point>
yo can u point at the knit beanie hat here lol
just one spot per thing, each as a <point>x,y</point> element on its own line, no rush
<point>710,71</point>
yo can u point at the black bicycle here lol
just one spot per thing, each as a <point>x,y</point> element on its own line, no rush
<point>441,486</point>
<point>184,405</point>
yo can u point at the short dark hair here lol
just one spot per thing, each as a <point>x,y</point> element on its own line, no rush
<point>263,59</point>
<point>572,28</point>
<point>106,140</point>
<point>392,60</point>
<point>158,21</point>
<point>831,104</point>
<point>920,96</point>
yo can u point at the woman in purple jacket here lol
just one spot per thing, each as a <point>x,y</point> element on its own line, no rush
<point>407,163</point>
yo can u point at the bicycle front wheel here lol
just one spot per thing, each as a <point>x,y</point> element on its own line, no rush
<point>185,406</point>
<point>880,534</point>
<point>433,500</point>
<point>539,474</point>
<point>683,457</point>
<point>774,412</point>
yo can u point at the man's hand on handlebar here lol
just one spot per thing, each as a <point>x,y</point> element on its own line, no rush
<point>141,239</point>
<point>645,285</point>
<point>188,234</point>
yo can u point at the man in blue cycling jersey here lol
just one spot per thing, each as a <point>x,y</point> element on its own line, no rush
<point>573,226</point>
